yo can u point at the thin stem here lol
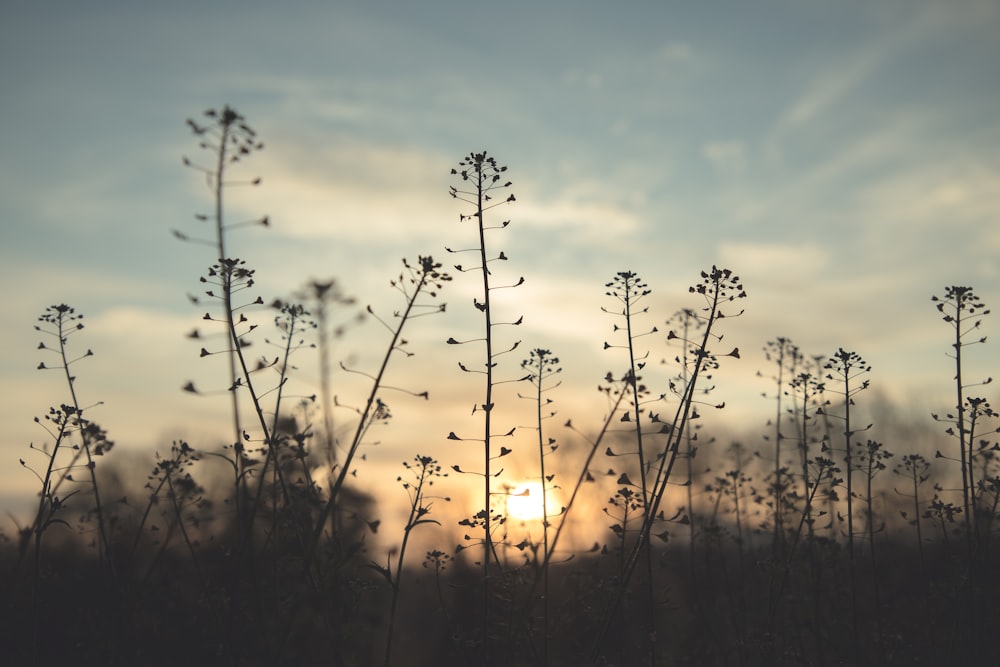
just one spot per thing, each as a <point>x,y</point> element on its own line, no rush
<point>228,117</point>
<point>488,416</point>
<point>427,273</point>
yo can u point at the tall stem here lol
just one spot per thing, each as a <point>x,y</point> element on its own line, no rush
<point>545,511</point>
<point>964,444</point>
<point>228,117</point>
<point>487,419</point>
<point>644,536</point>
<point>104,547</point>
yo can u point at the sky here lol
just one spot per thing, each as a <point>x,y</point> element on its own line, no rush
<point>841,158</point>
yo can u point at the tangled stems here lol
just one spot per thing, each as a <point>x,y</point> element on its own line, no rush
<point>785,356</point>
<point>291,323</point>
<point>61,322</point>
<point>616,393</point>
<point>826,473</point>
<point>629,289</point>
<point>958,306</point>
<point>424,470</point>
<point>231,276</point>
<point>717,287</point>
<point>425,277</point>
<point>688,320</point>
<point>230,139</point>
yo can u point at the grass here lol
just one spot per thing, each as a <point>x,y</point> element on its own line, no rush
<point>263,550</point>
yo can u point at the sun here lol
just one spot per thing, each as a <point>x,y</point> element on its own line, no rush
<point>524,502</point>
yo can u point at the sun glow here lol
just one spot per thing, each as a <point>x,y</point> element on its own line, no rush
<point>524,502</point>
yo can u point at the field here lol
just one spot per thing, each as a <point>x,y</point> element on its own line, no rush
<point>834,532</point>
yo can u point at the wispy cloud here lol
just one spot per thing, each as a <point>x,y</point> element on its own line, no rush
<point>355,191</point>
<point>728,157</point>
<point>779,264</point>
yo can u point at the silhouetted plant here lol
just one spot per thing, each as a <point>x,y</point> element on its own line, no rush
<point>227,137</point>
<point>543,366</point>
<point>629,289</point>
<point>66,424</point>
<point>481,173</point>
<point>823,473</point>
<point>915,468</point>
<point>688,323</point>
<point>942,512</point>
<point>421,475</point>
<point>422,279</point>
<point>732,484</point>
<point>225,279</point>
<point>284,445</point>
<point>171,481</point>
<point>61,322</point>
<point>439,561</point>
<point>718,288</point>
<point>625,508</point>
<point>958,306</point>
<point>871,459</point>
<point>988,490</point>
<point>983,452</point>
<point>59,423</point>
<point>615,392</point>
<point>807,391</point>
<point>786,357</point>
<point>845,372</point>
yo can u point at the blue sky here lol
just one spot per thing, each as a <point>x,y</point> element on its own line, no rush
<point>841,157</point>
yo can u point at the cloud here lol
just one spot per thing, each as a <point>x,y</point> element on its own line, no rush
<point>828,89</point>
<point>144,325</point>
<point>675,51</point>
<point>725,156</point>
<point>935,18</point>
<point>356,191</point>
<point>818,187</point>
<point>779,264</point>
<point>575,213</point>
<point>833,93</point>
<point>960,190</point>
